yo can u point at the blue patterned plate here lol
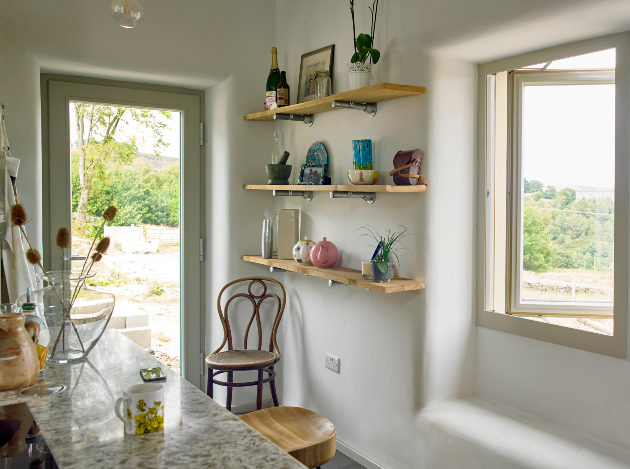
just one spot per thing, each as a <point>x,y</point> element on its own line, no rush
<point>317,155</point>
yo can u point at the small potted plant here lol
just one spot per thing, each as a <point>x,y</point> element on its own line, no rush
<point>360,66</point>
<point>386,247</point>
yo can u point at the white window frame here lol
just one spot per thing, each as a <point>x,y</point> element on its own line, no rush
<point>617,344</point>
<point>520,79</point>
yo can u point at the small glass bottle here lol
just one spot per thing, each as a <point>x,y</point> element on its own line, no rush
<point>284,92</point>
<point>322,85</point>
<point>276,154</point>
<point>32,314</point>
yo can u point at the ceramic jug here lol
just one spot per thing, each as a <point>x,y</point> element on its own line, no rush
<point>324,254</point>
<point>19,365</point>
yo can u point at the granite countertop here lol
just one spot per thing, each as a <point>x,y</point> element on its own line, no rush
<point>82,430</point>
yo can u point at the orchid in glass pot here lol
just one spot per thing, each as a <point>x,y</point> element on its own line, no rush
<point>365,54</point>
<point>76,315</point>
<point>387,246</point>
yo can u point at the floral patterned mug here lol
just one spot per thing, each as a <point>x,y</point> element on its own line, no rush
<point>142,408</point>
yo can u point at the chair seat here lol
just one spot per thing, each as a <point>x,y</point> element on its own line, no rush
<point>241,359</point>
<point>306,435</point>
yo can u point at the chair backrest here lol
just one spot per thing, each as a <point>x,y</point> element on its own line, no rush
<point>254,289</point>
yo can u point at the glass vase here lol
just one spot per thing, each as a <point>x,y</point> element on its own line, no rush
<point>76,323</point>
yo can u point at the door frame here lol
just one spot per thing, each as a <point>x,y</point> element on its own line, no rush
<point>57,92</point>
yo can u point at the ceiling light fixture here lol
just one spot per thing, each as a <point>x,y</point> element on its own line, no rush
<point>127,13</point>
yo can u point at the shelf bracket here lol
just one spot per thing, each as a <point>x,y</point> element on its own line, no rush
<point>306,118</point>
<point>306,195</point>
<point>369,197</point>
<point>275,269</point>
<point>369,108</point>
<point>333,283</point>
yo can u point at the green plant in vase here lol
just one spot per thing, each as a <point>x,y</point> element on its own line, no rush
<point>365,54</point>
<point>363,44</point>
<point>387,246</point>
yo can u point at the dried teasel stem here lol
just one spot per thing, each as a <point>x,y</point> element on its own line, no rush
<point>108,215</point>
<point>18,218</point>
<point>63,242</point>
<point>18,215</point>
<point>103,245</point>
<point>34,257</point>
<point>96,257</point>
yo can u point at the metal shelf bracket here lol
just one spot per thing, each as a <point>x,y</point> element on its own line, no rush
<point>276,269</point>
<point>308,119</point>
<point>306,195</point>
<point>369,108</point>
<point>369,197</point>
<point>333,283</point>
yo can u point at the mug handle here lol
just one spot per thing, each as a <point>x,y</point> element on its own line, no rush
<point>117,405</point>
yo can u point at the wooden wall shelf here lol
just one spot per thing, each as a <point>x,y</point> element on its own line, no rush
<point>369,94</point>
<point>340,275</point>
<point>337,187</point>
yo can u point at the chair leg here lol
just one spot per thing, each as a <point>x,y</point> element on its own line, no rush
<point>230,380</point>
<point>210,387</point>
<point>259,390</point>
<point>274,395</point>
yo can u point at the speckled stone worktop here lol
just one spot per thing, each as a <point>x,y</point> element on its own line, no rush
<point>82,430</point>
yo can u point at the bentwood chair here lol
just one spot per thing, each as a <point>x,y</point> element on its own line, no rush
<point>255,292</point>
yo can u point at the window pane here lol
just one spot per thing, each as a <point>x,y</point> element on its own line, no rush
<point>604,59</point>
<point>567,196</point>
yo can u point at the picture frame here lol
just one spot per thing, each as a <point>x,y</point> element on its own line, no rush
<point>312,175</point>
<point>320,60</point>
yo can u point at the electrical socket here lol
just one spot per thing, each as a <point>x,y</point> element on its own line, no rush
<point>332,363</point>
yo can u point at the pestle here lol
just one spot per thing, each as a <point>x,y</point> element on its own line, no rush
<point>284,158</point>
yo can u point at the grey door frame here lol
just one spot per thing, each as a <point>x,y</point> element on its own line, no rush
<point>57,92</point>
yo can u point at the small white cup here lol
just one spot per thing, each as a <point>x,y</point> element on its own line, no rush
<point>142,408</point>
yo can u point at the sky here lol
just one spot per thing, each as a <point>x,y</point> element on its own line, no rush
<point>569,130</point>
<point>569,134</point>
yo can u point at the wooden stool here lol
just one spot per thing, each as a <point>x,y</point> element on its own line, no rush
<point>306,435</point>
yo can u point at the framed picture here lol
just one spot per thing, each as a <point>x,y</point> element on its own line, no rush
<point>320,60</point>
<point>312,174</point>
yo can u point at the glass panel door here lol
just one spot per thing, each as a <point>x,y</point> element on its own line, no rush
<point>129,158</point>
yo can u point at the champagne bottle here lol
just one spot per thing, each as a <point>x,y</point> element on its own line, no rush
<point>273,80</point>
<point>284,92</point>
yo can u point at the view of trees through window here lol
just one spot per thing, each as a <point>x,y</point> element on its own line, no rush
<point>567,197</point>
<point>567,244</point>
<point>130,158</point>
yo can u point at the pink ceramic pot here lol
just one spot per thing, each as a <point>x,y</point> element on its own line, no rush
<point>324,254</point>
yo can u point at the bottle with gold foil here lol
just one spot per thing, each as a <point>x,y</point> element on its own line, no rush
<point>273,80</point>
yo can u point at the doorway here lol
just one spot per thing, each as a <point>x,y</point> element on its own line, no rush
<point>136,148</point>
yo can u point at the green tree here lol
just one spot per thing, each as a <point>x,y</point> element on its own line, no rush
<point>537,253</point>
<point>565,197</point>
<point>550,192</point>
<point>535,186</point>
<point>98,138</point>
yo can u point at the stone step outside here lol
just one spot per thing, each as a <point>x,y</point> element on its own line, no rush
<point>126,320</point>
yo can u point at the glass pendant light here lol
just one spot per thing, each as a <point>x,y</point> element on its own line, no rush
<point>127,13</point>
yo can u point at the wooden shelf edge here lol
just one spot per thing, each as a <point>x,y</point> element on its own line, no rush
<point>338,187</point>
<point>374,93</point>
<point>340,274</point>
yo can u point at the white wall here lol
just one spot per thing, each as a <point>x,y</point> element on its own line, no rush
<point>399,353</point>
